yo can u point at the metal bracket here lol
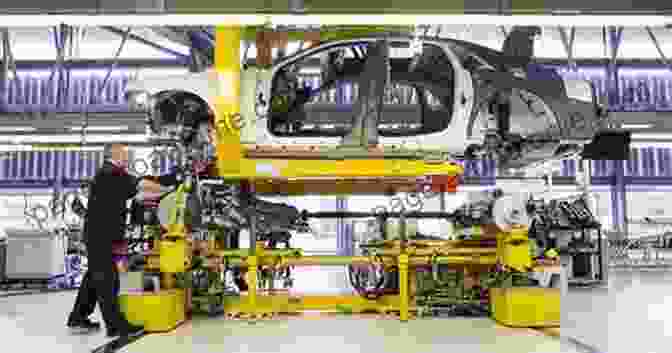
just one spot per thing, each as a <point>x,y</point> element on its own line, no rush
<point>9,64</point>
<point>504,31</point>
<point>655,41</point>
<point>615,34</point>
<point>568,43</point>
<point>149,43</point>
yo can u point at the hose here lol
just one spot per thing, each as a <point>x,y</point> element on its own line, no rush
<point>38,214</point>
<point>57,206</point>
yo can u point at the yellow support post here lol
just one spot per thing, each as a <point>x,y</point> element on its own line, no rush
<point>252,285</point>
<point>227,102</point>
<point>403,287</point>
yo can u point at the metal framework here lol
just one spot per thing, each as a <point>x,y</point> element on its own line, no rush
<point>66,40</point>
<point>509,249</point>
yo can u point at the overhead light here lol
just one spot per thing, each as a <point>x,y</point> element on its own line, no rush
<point>636,126</point>
<point>73,139</point>
<point>99,128</point>
<point>16,128</point>
<point>645,136</point>
<point>310,71</point>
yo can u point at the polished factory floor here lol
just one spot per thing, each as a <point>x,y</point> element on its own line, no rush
<point>631,314</point>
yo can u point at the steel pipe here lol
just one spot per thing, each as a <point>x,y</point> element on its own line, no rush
<point>439,251</point>
<point>245,253</point>
<point>453,260</point>
<point>454,251</point>
<point>328,260</point>
<point>334,260</point>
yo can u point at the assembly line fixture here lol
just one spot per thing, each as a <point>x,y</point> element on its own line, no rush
<point>236,166</point>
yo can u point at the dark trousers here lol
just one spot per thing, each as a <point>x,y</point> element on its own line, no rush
<point>99,285</point>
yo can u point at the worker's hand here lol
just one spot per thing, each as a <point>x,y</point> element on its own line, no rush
<point>143,196</point>
<point>150,186</point>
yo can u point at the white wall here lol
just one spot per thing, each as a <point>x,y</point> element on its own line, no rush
<point>12,207</point>
<point>652,202</point>
<point>324,238</point>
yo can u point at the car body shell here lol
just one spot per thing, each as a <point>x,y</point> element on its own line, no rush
<point>569,107</point>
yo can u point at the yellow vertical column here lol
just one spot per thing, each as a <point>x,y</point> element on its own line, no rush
<point>403,287</point>
<point>227,70</point>
<point>252,285</point>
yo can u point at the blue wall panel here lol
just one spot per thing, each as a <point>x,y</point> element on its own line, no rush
<point>640,89</point>
<point>645,89</point>
<point>48,166</point>
<point>41,166</point>
<point>479,168</point>
<point>37,92</point>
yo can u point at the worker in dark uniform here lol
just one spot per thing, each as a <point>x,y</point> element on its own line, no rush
<point>105,224</point>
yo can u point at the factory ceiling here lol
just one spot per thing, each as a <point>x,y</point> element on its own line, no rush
<point>97,43</point>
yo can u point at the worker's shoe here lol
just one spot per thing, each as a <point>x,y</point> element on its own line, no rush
<point>83,326</point>
<point>129,331</point>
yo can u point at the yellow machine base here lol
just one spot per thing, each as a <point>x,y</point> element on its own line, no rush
<point>157,312</point>
<point>526,306</point>
<point>286,304</point>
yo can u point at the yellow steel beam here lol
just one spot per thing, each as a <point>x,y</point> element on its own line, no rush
<point>227,102</point>
<point>266,252</point>
<point>233,166</point>
<point>252,280</point>
<point>403,287</point>
<point>453,260</point>
<point>334,260</point>
<point>339,186</point>
<point>440,251</point>
<point>282,303</point>
<point>327,33</point>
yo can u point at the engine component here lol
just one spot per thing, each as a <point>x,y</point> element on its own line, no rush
<point>509,211</point>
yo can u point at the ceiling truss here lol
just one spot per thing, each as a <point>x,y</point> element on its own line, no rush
<point>201,41</point>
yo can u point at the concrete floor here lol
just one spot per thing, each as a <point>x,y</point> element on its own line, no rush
<point>606,318</point>
<point>348,334</point>
<point>631,314</point>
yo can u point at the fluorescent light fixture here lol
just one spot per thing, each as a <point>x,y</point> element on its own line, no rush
<point>652,144</point>
<point>100,128</point>
<point>76,72</point>
<point>336,19</point>
<point>645,136</point>
<point>310,71</point>
<point>46,139</point>
<point>29,147</point>
<point>16,128</point>
<point>636,126</point>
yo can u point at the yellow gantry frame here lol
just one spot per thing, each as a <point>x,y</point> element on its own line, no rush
<point>233,164</point>
<point>512,248</point>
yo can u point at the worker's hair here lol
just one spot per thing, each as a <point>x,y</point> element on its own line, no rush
<point>108,150</point>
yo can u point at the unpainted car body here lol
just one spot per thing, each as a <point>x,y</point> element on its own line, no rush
<point>429,93</point>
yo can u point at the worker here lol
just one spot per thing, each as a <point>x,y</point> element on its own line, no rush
<point>105,226</point>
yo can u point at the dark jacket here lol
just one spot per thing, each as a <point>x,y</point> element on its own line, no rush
<point>106,216</point>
